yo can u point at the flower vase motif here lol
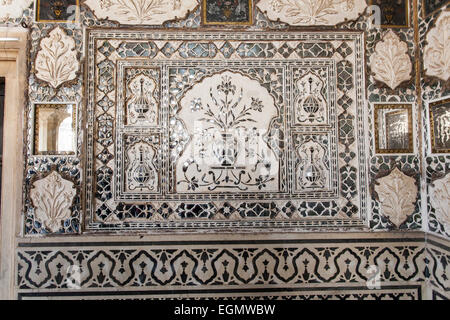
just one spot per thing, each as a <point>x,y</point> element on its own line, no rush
<point>225,148</point>
<point>312,172</point>
<point>310,103</point>
<point>141,173</point>
<point>311,168</point>
<point>142,107</point>
<point>228,116</point>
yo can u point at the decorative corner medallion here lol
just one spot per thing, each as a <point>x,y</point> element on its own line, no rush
<point>228,12</point>
<point>143,12</point>
<point>397,194</point>
<point>57,61</point>
<point>57,10</point>
<point>52,198</point>
<point>394,14</point>
<point>312,13</point>
<point>390,62</point>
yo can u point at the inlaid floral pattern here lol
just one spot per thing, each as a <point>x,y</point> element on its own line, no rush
<point>437,50</point>
<point>390,63</point>
<point>312,12</point>
<point>57,61</point>
<point>141,11</point>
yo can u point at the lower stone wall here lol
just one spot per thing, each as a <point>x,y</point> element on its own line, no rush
<point>264,266</point>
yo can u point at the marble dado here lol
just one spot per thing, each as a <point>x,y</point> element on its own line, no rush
<point>244,266</point>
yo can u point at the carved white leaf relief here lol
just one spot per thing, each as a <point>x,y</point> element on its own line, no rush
<point>440,200</point>
<point>56,61</point>
<point>312,12</point>
<point>52,198</point>
<point>391,63</point>
<point>397,193</point>
<point>152,12</point>
<point>437,50</point>
<point>13,8</point>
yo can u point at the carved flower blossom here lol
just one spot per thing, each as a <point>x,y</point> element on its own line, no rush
<point>391,63</point>
<point>437,51</point>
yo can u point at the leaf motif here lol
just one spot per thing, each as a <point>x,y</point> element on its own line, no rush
<point>52,198</point>
<point>56,61</point>
<point>440,200</point>
<point>437,50</point>
<point>397,194</point>
<point>390,63</point>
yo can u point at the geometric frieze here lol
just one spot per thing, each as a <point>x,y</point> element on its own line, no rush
<point>259,128</point>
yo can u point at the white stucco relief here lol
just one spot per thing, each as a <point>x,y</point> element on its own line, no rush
<point>440,200</point>
<point>52,198</point>
<point>437,50</point>
<point>312,12</point>
<point>397,193</point>
<point>390,63</point>
<point>13,8</point>
<point>147,12</point>
<point>57,61</point>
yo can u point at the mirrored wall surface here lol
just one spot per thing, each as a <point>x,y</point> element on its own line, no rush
<point>54,129</point>
<point>440,126</point>
<point>393,128</point>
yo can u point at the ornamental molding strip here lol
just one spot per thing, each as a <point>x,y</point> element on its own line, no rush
<point>312,12</point>
<point>141,12</point>
<point>52,199</point>
<point>391,63</point>
<point>440,200</point>
<point>437,51</point>
<point>11,9</point>
<point>397,194</point>
<point>57,61</point>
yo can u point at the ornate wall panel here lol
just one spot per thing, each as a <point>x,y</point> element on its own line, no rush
<point>265,124</point>
<point>259,124</point>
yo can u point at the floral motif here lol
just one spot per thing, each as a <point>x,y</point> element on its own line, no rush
<point>440,200</point>
<point>312,12</point>
<point>390,63</point>
<point>52,198</point>
<point>141,11</point>
<point>231,113</point>
<point>437,50</point>
<point>57,61</point>
<point>397,194</point>
<point>227,148</point>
